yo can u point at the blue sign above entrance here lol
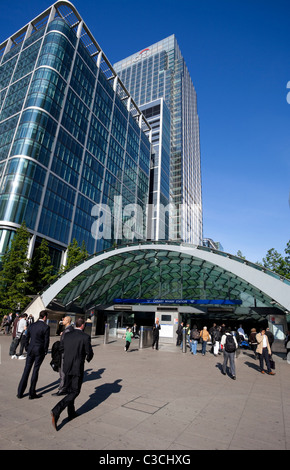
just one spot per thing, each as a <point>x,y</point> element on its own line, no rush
<point>178,301</point>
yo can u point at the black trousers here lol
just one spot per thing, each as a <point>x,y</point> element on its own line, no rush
<point>155,341</point>
<point>31,360</point>
<point>13,346</point>
<point>265,355</point>
<point>73,384</point>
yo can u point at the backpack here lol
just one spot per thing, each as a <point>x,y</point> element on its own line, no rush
<point>194,334</point>
<point>230,345</point>
<point>55,356</point>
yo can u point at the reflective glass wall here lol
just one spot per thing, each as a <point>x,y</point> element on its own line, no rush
<point>160,71</point>
<point>68,139</point>
<point>158,116</point>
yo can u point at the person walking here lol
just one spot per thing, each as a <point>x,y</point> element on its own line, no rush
<point>128,337</point>
<point>270,336</point>
<point>179,334</point>
<point>253,341</point>
<point>194,336</point>
<point>135,330</point>
<point>30,320</point>
<point>76,347</point>
<point>37,341</point>
<point>22,326</point>
<point>264,351</point>
<point>216,339</point>
<point>9,323</point>
<point>15,338</point>
<point>230,345</point>
<point>3,324</point>
<point>156,329</point>
<point>205,337</point>
<point>68,328</point>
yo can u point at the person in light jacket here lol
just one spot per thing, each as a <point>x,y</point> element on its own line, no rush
<point>205,337</point>
<point>264,351</point>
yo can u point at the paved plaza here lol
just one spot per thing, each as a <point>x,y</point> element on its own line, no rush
<point>150,400</point>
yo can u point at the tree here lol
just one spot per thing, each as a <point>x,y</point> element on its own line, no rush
<point>287,260</point>
<point>75,254</point>
<point>14,276</point>
<point>240,254</point>
<point>42,270</point>
<point>277,263</point>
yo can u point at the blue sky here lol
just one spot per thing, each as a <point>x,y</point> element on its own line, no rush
<point>238,55</point>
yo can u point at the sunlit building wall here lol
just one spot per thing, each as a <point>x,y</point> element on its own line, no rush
<point>160,71</point>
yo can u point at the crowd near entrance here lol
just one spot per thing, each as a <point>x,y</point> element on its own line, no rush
<point>170,319</point>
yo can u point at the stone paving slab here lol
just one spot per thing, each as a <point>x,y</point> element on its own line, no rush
<point>150,400</point>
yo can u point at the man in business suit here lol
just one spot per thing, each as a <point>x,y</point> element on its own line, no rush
<point>77,348</point>
<point>68,328</point>
<point>37,341</point>
<point>156,328</point>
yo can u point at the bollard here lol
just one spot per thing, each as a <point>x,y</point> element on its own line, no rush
<point>184,339</point>
<point>106,334</point>
<point>141,337</point>
<point>146,337</point>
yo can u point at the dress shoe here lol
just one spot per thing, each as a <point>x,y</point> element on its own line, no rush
<point>271,373</point>
<point>54,420</point>
<point>58,394</point>
<point>73,416</point>
<point>19,396</point>
<point>262,372</point>
<point>35,396</point>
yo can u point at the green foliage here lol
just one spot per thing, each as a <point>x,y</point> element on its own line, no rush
<point>240,254</point>
<point>75,254</point>
<point>14,276</point>
<point>42,270</point>
<point>277,263</point>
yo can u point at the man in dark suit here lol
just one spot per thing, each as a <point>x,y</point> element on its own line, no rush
<point>156,328</point>
<point>37,341</point>
<point>68,328</point>
<point>77,348</point>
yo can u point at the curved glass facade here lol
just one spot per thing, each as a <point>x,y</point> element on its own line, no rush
<point>178,274</point>
<point>69,138</point>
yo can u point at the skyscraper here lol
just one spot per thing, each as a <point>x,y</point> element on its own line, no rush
<point>160,71</point>
<point>71,136</point>
<point>158,116</point>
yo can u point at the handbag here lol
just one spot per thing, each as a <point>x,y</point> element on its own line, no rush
<point>272,363</point>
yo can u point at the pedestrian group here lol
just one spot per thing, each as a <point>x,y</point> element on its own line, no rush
<point>226,341</point>
<point>74,348</point>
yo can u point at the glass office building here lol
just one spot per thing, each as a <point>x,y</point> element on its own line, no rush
<point>71,136</point>
<point>158,116</point>
<point>160,71</point>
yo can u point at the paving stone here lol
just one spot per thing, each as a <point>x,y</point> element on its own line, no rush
<point>150,400</point>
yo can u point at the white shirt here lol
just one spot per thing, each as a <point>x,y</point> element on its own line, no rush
<point>264,341</point>
<point>224,338</point>
<point>21,325</point>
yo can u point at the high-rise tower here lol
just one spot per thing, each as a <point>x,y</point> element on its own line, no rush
<point>71,137</point>
<point>160,71</point>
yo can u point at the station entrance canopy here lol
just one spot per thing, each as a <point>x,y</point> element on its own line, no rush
<point>156,272</point>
